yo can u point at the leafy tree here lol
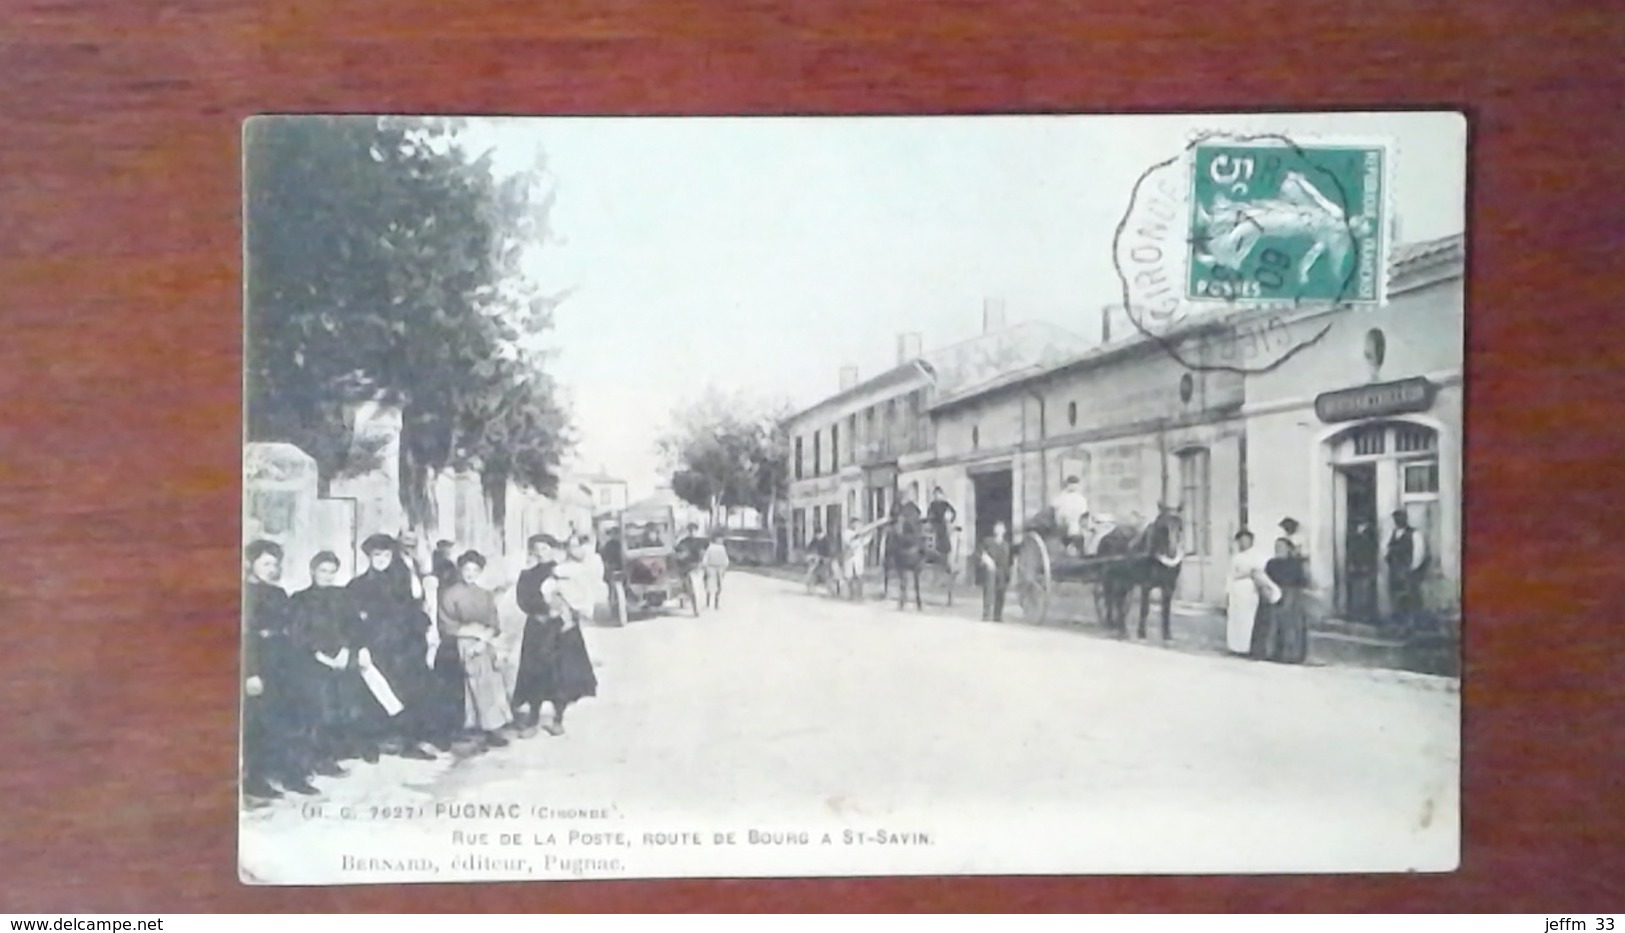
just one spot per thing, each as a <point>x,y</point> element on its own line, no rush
<point>728,452</point>
<point>385,262</point>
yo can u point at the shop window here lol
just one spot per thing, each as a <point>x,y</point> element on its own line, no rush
<point>1411,439</point>
<point>1371,441</point>
<point>1421,477</point>
<point>1195,498</point>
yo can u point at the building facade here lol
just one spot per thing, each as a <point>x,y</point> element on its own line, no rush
<point>844,449</point>
<point>1365,421</point>
<point>608,493</point>
<point>1136,426</point>
<point>855,454</point>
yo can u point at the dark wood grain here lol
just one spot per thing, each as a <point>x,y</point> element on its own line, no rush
<point>120,355</point>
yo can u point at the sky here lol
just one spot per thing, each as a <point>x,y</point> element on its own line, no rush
<point>761,255</point>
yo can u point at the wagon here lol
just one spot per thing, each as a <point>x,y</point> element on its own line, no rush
<point>1043,561</point>
<point>650,577</point>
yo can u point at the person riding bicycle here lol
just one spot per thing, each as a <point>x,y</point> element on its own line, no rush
<point>819,556</point>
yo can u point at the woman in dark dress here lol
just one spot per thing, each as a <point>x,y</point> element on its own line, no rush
<point>570,596</point>
<point>534,678</point>
<point>393,633</point>
<point>1287,620</point>
<point>323,624</point>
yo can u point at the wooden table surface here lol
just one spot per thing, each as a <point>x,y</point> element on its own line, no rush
<point>120,360</point>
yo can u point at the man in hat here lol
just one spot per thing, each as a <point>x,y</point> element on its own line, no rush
<point>1407,557</point>
<point>688,553</point>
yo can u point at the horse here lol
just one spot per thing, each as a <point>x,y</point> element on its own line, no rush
<point>1149,559</point>
<point>905,552</point>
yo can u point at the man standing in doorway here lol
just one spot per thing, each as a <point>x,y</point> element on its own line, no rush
<point>1407,564</point>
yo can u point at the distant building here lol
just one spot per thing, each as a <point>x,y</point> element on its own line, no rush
<point>852,452</point>
<point>608,493</point>
<point>1366,421</point>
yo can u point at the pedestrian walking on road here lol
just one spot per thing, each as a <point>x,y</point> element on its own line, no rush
<point>715,564</point>
<point>996,560</point>
<point>469,619</point>
<point>687,554</point>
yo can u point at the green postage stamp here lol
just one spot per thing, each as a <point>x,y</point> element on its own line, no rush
<point>1277,220</point>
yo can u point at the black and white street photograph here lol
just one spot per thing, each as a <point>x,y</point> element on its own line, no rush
<point>666,497</point>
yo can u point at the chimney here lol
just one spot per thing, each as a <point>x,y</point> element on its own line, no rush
<point>993,319</point>
<point>908,348</point>
<point>849,377</point>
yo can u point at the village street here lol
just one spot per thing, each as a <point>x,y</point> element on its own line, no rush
<point>784,709</point>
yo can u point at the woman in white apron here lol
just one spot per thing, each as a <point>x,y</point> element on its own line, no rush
<point>1248,584</point>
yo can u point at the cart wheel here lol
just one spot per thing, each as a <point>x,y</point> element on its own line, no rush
<point>1033,579</point>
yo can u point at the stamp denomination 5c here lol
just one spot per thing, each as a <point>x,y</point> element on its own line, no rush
<point>1277,220</point>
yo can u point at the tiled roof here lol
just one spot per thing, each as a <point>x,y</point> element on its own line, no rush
<point>1411,265</point>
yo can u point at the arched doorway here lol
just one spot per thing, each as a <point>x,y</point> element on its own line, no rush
<point>1378,468</point>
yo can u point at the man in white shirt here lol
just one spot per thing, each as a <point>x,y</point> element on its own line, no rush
<point>1072,511</point>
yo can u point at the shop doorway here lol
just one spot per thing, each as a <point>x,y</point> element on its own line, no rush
<point>1360,542</point>
<point>993,494</point>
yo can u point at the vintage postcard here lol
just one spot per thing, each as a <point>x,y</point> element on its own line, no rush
<point>742,497</point>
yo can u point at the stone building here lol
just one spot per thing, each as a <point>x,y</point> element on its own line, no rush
<point>854,453</point>
<point>1133,423</point>
<point>1365,421</point>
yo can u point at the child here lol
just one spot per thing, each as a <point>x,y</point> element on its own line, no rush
<point>715,564</point>
<point>995,573</point>
<point>856,551</point>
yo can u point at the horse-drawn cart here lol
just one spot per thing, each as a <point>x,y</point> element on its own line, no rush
<point>1126,558</point>
<point>1045,559</point>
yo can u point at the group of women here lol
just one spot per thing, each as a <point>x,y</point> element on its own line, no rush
<point>1268,613</point>
<point>405,662</point>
